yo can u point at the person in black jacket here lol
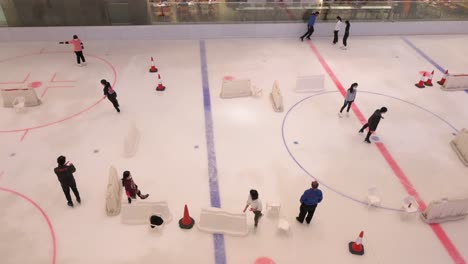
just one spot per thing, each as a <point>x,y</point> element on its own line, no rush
<point>64,173</point>
<point>373,122</point>
<point>110,94</point>
<point>346,35</point>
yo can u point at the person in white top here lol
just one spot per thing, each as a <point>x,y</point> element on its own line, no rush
<point>337,28</point>
<point>255,205</point>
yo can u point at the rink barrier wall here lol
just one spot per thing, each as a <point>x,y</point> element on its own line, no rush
<point>209,31</point>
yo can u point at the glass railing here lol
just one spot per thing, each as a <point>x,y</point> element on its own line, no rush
<point>145,12</point>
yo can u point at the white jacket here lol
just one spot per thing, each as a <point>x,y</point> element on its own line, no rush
<point>338,25</point>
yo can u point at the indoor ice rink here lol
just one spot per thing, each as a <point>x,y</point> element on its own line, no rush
<point>187,145</point>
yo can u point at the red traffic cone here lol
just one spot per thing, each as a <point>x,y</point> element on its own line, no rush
<point>153,68</point>
<point>442,81</point>
<point>160,86</point>
<point>420,84</point>
<point>186,222</point>
<point>429,80</point>
<point>357,248</point>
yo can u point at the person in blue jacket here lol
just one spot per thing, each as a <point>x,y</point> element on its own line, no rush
<point>310,26</point>
<point>309,201</point>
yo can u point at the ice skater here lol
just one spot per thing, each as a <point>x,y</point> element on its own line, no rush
<point>373,122</point>
<point>350,96</point>
<point>337,29</point>
<point>309,201</point>
<point>131,189</point>
<point>310,26</point>
<point>255,206</point>
<point>111,94</point>
<point>77,48</point>
<point>346,35</point>
<point>64,173</point>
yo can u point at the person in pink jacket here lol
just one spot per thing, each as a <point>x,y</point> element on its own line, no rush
<point>131,189</point>
<point>77,48</point>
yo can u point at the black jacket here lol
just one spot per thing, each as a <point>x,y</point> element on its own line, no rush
<point>374,120</point>
<point>65,173</point>
<point>108,91</point>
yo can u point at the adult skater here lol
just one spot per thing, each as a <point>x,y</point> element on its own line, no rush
<point>77,48</point>
<point>310,26</point>
<point>350,96</point>
<point>309,201</point>
<point>64,173</point>
<point>346,35</point>
<point>255,206</point>
<point>131,189</point>
<point>337,29</point>
<point>373,122</point>
<point>110,94</point>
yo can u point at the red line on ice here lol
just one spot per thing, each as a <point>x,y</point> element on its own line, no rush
<point>44,215</point>
<point>436,228</point>
<point>24,135</point>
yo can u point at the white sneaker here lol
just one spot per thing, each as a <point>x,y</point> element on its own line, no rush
<point>340,115</point>
<point>79,65</point>
<point>84,63</point>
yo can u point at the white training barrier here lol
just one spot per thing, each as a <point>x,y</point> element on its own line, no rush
<point>10,97</point>
<point>139,212</point>
<point>236,88</point>
<point>113,193</point>
<point>310,84</point>
<point>216,221</point>
<point>457,82</point>
<point>460,145</point>
<point>277,98</point>
<point>131,141</point>
<point>445,210</point>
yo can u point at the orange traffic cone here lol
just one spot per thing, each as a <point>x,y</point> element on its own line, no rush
<point>160,86</point>
<point>429,80</point>
<point>420,84</point>
<point>442,81</point>
<point>357,248</point>
<point>153,68</point>
<point>186,222</point>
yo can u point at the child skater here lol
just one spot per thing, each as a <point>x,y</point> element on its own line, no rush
<point>110,94</point>
<point>131,188</point>
<point>350,96</point>
<point>77,48</point>
<point>255,205</point>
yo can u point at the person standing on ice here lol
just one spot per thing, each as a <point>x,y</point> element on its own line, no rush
<point>310,26</point>
<point>255,206</point>
<point>309,201</point>
<point>64,173</point>
<point>131,189</point>
<point>349,99</point>
<point>373,122</point>
<point>110,94</point>
<point>77,48</point>
<point>346,35</point>
<point>337,29</point>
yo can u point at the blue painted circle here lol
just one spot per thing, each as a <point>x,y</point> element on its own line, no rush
<point>326,185</point>
<point>375,138</point>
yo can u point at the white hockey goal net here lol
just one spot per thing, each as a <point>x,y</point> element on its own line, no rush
<point>236,88</point>
<point>13,96</point>
<point>457,82</point>
<point>460,145</point>
<point>445,210</point>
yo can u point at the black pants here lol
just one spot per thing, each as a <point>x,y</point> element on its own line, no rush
<point>369,133</point>
<point>310,31</point>
<point>258,214</point>
<point>113,99</point>
<point>66,190</point>
<point>306,209</point>
<point>345,39</point>
<point>79,57</point>
<point>348,103</point>
<point>335,36</point>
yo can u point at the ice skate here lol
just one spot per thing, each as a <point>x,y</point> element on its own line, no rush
<point>78,200</point>
<point>367,140</point>
<point>84,63</point>
<point>340,115</point>
<point>308,38</point>
<point>343,48</point>
<point>70,204</point>
<point>361,131</point>
<point>79,65</point>
<point>302,39</point>
<point>144,196</point>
